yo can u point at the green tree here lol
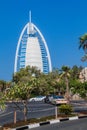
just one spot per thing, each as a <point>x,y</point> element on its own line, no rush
<point>25,81</point>
<point>83,45</point>
<point>83,42</point>
<point>83,90</point>
<point>75,85</point>
<point>2,85</point>
<point>52,80</point>
<point>75,72</point>
<point>20,93</point>
<point>66,75</point>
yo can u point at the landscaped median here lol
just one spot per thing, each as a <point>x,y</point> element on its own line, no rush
<point>33,123</point>
<point>63,113</point>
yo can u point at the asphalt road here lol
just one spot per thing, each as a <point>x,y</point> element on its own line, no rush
<point>80,124</point>
<point>35,110</point>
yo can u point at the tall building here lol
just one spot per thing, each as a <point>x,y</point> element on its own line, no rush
<point>32,49</point>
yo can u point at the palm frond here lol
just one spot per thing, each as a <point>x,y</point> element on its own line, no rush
<point>84,58</point>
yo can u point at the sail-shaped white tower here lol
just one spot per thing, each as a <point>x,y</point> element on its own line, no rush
<point>32,50</point>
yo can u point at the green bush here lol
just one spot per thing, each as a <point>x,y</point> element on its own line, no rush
<point>65,109</point>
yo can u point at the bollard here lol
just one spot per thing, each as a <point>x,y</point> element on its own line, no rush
<point>14,117</point>
<point>56,112</point>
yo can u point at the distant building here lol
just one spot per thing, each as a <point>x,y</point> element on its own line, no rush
<point>32,50</point>
<point>83,75</point>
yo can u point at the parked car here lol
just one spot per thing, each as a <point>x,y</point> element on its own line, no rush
<point>38,98</point>
<point>48,98</point>
<point>58,100</point>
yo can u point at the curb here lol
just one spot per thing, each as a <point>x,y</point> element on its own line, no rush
<point>48,122</point>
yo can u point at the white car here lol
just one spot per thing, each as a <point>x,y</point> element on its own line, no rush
<point>38,98</point>
<point>58,100</point>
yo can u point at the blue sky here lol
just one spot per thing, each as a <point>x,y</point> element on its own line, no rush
<point>61,22</point>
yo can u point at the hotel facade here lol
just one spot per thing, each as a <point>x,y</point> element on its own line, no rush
<point>32,50</point>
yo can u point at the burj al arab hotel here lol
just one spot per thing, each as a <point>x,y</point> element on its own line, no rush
<point>32,49</point>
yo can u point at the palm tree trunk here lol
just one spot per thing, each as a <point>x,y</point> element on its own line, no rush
<point>67,88</point>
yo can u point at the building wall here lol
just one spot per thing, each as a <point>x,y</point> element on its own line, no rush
<point>32,50</point>
<point>83,75</point>
<point>33,53</point>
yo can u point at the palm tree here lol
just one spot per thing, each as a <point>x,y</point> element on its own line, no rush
<point>84,58</point>
<point>83,45</point>
<point>65,75</point>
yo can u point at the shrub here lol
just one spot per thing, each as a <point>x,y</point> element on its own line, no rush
<point>65,109</point>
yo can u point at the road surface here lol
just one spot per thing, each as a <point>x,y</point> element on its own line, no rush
<point>80,124</point>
